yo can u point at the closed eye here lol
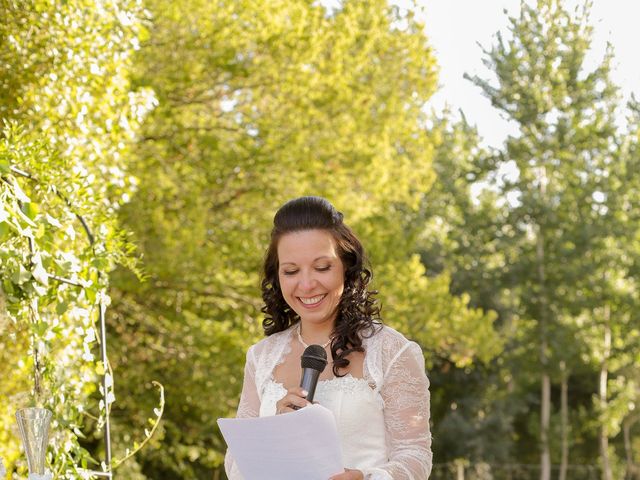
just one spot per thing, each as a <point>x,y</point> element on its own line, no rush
<point>290,272</point>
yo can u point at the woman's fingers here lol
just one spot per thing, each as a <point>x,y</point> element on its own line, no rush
<point>348,475</point>
<point>298,392</point>
<point>293,400</point>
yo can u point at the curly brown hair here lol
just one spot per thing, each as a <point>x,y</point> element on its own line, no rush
<point>358,310</point>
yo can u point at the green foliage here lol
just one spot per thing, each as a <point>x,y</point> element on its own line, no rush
<point>69,113</point>
<point>554,237</point>
<point>474,406</point>
<point>189,123</point>
<point>259,102</point>
<point>47,290</point>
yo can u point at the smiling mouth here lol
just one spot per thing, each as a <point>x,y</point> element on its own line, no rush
<point>311,301</point>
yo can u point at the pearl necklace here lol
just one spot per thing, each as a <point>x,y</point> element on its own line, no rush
<point>302,341</point>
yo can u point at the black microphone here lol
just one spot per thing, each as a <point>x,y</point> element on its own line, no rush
<point>313,361</point>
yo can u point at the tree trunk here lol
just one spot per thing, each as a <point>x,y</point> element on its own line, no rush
<point>626,429</point>
<point>602,392</point>
<point>545,400</point>
<point>564,422</point>
<point>545,456</point>
<point>460,470</point>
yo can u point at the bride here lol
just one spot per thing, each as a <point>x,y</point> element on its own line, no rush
<point>315,292</point>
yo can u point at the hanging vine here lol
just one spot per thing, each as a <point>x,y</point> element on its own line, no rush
<point>69,114</point>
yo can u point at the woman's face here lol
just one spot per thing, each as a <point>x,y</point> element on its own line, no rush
<point>311,274</point>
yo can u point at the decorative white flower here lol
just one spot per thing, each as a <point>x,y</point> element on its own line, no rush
<point>3,471</point>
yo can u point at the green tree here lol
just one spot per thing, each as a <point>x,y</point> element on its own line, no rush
<point>562,155</point>
<point>474,405</point>
<point>259,102</point>
<point>621,415</point>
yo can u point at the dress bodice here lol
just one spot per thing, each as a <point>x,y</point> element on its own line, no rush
<point>358,410</point>
<point>382,418</point>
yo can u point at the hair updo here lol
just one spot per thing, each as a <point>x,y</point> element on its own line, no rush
<point>358,313</point>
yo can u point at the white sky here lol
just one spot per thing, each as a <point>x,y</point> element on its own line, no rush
<point>455,27</point>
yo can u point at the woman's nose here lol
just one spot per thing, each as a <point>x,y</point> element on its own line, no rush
<point>307,282</point>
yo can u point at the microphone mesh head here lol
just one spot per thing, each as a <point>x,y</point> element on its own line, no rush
<point>314,357</point>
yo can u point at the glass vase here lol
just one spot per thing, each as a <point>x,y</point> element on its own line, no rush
<point>34,431</point>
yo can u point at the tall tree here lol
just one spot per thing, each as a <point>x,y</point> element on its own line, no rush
<point>259,102</point>
<point>474,406</point>
<point>622,196</point>
<point>565,117</point>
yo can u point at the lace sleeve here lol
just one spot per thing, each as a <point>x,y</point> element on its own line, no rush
<point>405,392</point>
<point>249,407</point>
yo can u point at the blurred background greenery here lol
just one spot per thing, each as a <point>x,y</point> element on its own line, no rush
<point>147,144</point>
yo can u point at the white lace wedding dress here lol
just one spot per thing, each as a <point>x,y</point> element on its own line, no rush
<point>382,418</point>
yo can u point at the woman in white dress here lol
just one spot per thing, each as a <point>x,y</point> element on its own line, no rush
<point>315,292</point>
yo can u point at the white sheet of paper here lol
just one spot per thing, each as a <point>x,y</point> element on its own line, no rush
<point>301,444</point>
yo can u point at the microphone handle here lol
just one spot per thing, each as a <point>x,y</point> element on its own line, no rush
<point>309,381</point>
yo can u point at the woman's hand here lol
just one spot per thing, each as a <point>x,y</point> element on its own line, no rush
<point>349,475</point>
<point>295,397</point>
